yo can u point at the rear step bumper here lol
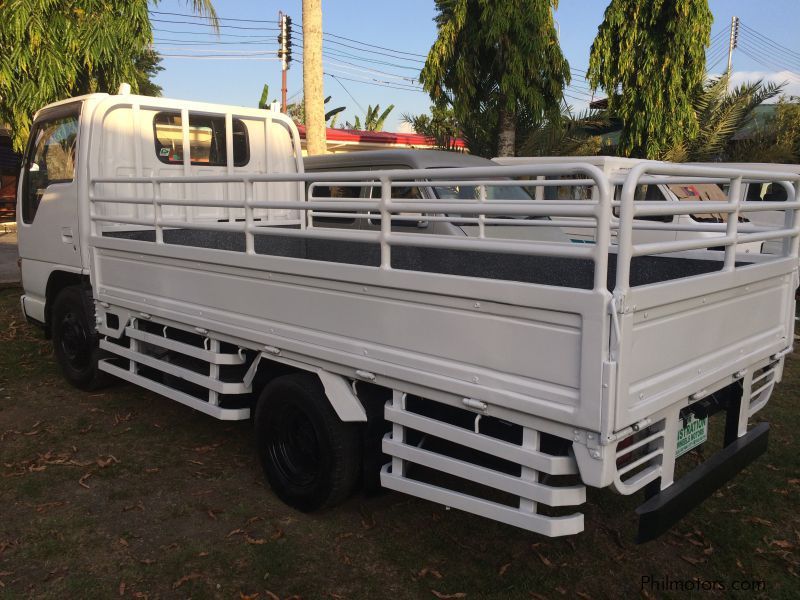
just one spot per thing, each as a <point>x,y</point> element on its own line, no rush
<point>661,511</point>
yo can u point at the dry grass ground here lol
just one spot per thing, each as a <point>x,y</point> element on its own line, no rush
<point>126,494</point>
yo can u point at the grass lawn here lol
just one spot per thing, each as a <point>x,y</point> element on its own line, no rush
<point>123,493</point>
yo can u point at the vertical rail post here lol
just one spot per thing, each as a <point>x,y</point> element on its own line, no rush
<point>398,433</point>
<point>482,217</point>
<point>734,193</point>
<point>791,220</point>
<point>601,195</point>
<point>249,242</point>
<point>187,159</point>
<point>386,223</point>
<point>625,252</point>
<point>157,211</point>
<point>227,189</point>
<point>530,442</point>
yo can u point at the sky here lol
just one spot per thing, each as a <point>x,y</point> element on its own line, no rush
<point>372,52</point>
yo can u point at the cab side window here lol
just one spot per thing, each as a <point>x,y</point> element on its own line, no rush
<point>337,192</point>
<point>648,192</point>
<point>50,160</point>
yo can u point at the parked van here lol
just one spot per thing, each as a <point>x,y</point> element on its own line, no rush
<point>646,229</point>
<point>425,222</point>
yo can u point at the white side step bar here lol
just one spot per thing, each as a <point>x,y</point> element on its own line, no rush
<point>527,487</point>
<point>137,354</point>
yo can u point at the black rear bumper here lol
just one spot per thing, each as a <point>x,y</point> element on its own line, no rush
<point>661,511</point>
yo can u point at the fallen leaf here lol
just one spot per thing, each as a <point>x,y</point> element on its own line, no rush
<point>153,470</point>
<point>147,561</point>
<point>582,595</point>
<point>185,579</point>
<point>547,562</point>
<point>272,596</point>
<point>785,544</point>
<point>536,596</point>
<point>236,532</point>
<point>429,571</point>
<point>693,561</point>
<point>442,596</point>
<point>137,506</point>
<point>277,534</point>
<point>82,480</point>
<point>122,542</point>
<point>254,541</point>
<point>121,588</point>
<point>503,569</point>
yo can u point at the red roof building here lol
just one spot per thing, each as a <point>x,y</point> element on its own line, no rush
<point>352,140</point>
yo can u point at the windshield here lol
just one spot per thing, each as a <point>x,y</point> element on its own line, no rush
<point>470,192</point>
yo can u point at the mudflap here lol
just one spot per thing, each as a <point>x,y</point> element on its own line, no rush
<point>663,509</point>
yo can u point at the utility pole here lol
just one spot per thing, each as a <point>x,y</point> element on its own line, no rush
<point>312,77</point>
<point>733,42</point>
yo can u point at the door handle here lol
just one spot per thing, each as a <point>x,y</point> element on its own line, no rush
<point>66,235</point>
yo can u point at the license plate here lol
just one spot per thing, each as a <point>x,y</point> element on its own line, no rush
<point>691,435</point>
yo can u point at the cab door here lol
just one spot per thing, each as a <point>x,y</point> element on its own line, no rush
<point>47,203</point>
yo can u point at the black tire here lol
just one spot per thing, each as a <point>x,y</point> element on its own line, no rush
<point>75,339</point>
<point>310,458</point>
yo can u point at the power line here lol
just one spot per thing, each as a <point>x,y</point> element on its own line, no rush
<point>217,51</point>
<point>198,24</point>
<point>213,35</point>
<point>759,46</point>
<point>191,16</point>
<point>336,79</point>
<point>217,57</point>
<point>201,43</point>
<point>375,84</point>
<point>299,33</point>
<point>771,42</point>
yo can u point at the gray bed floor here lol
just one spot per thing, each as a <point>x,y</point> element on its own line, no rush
<point>563,272</point>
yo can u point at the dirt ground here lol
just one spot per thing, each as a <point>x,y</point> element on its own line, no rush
<point>122,493</point>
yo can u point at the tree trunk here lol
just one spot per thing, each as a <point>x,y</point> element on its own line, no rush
<point>507,134</point>
<point>312,77</point>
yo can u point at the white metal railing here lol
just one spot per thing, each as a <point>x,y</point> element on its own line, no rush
<point>733,207</point>
<point>388,209</point>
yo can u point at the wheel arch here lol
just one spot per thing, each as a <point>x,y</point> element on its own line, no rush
<point>57,281</point>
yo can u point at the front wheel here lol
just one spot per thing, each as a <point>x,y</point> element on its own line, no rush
<point>75,341</point>
<point>310,457</point>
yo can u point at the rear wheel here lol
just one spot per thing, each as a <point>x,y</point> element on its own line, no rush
<point>310,457</point>
<point>75,340</point>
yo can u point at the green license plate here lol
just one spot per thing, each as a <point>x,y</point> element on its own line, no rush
<point>691,435</point>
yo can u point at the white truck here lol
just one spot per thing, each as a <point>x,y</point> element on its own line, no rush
<point>173,244</point>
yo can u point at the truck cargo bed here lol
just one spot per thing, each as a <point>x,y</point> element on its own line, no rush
<point>544,270</point>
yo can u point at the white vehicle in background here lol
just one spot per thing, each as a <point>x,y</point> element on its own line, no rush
<point>652,228</point>
<point>766,191</point>
<point>180,246</point>
<point>504,226</point>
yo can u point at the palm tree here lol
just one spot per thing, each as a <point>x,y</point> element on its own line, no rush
<point>568,134</point>
<point>372,120</point>
<point>720,114</point>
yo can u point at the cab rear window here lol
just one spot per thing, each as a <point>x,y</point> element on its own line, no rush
<point>207,140</point>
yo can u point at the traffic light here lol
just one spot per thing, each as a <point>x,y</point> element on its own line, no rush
<point>287,20</point>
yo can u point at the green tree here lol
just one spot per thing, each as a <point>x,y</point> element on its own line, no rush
<point>720,114</point>
<point>568,134</point>
<point>500,59</point>
<point>777,140</point>
<point>297,110</point>
<point>441,125</point>
<point>55,49</point>
<point>373,121</point>
<point>649,57</point>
